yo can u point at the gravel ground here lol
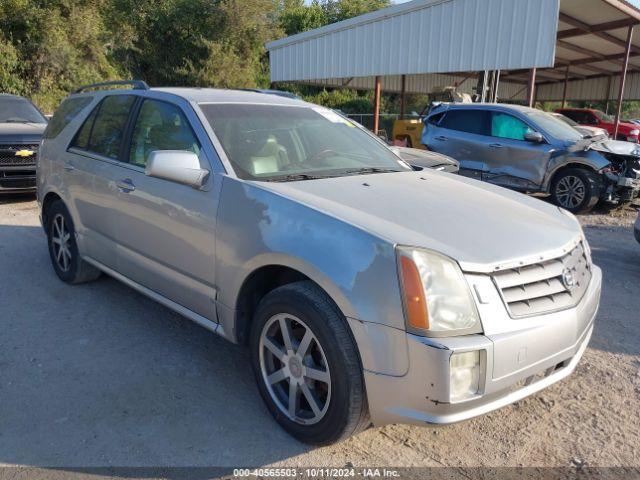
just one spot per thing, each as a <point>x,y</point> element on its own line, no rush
<point>98,375</point>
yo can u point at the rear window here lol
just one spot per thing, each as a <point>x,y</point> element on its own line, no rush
<point>103,131</point>
<point>67,111</point>
<point>469,121</point>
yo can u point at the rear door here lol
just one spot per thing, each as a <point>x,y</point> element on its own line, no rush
<point>91,172</point>
<point>515,162</point>
<point>166,230</point>
<point>462,134</point>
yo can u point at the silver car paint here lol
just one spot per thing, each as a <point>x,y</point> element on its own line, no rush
<point>511,163</point>
<point>193,250</point>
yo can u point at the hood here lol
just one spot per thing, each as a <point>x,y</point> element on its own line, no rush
<point>631,126</point>
<point>616,147</point>
<point>426,159</point>
<point>592,131</point>
<point>482,226</point>
<point>21,132</point>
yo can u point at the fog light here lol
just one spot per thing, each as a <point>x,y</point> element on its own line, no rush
<point>464,375</point>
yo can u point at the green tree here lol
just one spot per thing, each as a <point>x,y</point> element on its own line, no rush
<point>296,17</point>
<point>338,10</point>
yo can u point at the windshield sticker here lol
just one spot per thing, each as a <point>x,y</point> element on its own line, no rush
<point>332,116</point>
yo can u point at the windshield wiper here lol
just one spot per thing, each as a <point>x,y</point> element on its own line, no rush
<point>16,120</point>
<point>293,177</point>
<point>366,170</point>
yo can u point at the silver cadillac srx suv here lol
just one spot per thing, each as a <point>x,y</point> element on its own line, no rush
<point>367,292</point>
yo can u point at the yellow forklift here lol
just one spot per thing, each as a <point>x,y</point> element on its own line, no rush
<point>408,132</point>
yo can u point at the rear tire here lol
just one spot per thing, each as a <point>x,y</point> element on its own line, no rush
<point>576,189</point>
<point>324,370</point>
<point>63,248</point>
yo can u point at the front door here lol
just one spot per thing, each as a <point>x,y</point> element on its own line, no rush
<point>515,162</point>
<point>165,229</point>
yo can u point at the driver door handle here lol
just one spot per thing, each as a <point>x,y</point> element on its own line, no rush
<point>496,145</point>
<point>68,167</point>
<point>126,185</point>
<point>441,138</point>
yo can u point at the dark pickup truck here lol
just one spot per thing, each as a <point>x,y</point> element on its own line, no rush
<point>21,128</point>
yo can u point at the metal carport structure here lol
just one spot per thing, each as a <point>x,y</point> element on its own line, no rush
<point>544,49</point>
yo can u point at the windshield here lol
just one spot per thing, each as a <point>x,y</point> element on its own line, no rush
<point>274,142</point>
<point>603,116</point>
<point>554,126</point>
<point>19,110</point>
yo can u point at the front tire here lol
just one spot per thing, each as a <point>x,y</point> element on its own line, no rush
<point>63,248</point>
<point>307,366</point>
<point>576,190</point>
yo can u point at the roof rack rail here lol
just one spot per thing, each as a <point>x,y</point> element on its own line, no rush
<point>137,85</point>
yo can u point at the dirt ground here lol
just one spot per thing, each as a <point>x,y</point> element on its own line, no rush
<point>98,375</point>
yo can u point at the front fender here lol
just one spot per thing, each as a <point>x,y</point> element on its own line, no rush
<point>587,158</point>
<point>257,227</point>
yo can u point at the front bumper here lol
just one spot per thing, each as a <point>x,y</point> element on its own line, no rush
<point>18,179</point>
<point>552,344</point>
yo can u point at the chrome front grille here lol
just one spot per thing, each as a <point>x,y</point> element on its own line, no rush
<point>546,286</point>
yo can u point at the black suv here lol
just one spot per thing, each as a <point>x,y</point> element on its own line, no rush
<point>21,128</point>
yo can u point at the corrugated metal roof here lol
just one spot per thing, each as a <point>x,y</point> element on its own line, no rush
<point>592,89</point>
<point>433,41</point>
<point>423,36</point>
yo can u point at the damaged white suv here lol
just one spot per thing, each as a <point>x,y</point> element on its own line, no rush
<point>366,292</point>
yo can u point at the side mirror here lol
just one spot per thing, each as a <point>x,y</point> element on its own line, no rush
<point>534,137</point>
<point>178,166</point>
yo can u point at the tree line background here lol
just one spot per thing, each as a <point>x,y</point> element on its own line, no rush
<point>49,47</point>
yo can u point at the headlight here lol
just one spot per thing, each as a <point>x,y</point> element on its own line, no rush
<point>437,299</point>
<point>634,132</point>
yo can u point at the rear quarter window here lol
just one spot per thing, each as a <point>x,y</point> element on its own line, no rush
<point>66,112</point>
<point>103,130</point>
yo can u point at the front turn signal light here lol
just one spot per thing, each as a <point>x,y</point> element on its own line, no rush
<point>414,299</point>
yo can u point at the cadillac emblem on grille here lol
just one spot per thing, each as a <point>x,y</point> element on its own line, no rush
<point>568,279</point>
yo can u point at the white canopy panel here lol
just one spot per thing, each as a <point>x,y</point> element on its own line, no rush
<point>423,36</point>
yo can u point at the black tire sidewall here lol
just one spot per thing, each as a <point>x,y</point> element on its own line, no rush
<point>591,189</point>
<point>336,419</point>
<point>58,208</point>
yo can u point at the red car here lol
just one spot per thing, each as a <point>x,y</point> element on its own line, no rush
<point>596,118</point>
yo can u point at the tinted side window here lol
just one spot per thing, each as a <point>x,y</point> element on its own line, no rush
<point>433,119</point>
<point>81,139</point>
<point>160,126</point>
<point>579,117</point>
<point>590,118</point>
<point>108,128</point>
<point>571,114</point>
<point>470,121</point>
<point>66,112</point>
<point>504,125</point>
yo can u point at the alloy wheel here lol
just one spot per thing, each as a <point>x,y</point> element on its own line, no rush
<point>60,238</point>
<point>570,191</point>
<point>295,369</point>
